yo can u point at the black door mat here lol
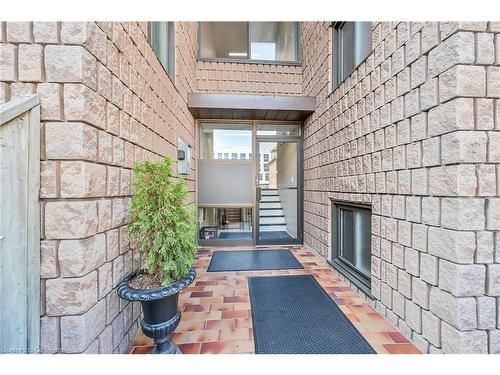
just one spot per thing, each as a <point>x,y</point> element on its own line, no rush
<point>275,235</point>
<point>235,235</point>
<point>294,315</point>
<point>253,260</point>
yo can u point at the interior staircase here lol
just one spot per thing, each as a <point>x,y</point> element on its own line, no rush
<point>271,212</point>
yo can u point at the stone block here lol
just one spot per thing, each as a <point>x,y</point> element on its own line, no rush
<point>413,316</point>
<point>70,219</point>
<point>71,296</point>
<point>460,312</point>
<point>493,81</point>
<point>458,342</point>
<point>493,214</point>
<point>19,32</point>
<point>462,81</point>
<point>493,149</point>
<point>456,114</point>
<point>50,335</point>
<point>453,180</point>
<point>431,328</point>
<point>105,279</point>
<point>429,270</point>
<point>79,257</point>
<point>70,64</point>
<point>455,246</point>
<point>50,104</point>
<point>463,213</point>
<point>30,62</point>
<point>457,49</point>
<point>45,32</point>
<point>8,66</point>
<point>486,313</point>
<point>420,292</point>
<point>82,179</point>
<point>463,147</point>
<point>84,104</point>
<point>48,259</point>
<point>493,280</point>
<point>78,332</point>
<point>70,140</point>
<point>462,280</point>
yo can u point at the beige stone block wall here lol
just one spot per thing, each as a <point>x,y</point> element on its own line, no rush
<point>106,104</point>
<point>248,78</point>
<point>415,132</point>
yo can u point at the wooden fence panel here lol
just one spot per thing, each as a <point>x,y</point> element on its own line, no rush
<point>20,225</point>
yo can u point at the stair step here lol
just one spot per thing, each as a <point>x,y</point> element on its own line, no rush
<point>273,220</point>
<point>270,212</point>
<point>272,228</point>
<point>276,205</point>
<point>270,193</point>
<point>269,198</point>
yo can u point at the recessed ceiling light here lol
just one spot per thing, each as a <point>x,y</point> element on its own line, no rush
<point>237,54</point>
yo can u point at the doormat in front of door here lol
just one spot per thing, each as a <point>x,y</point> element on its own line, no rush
<point>253,260</point>
<point>294,315</point>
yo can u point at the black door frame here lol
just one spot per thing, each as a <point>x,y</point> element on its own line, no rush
<point>300,193</point>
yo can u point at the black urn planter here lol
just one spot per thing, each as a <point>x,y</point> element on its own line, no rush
<point>160,309</point>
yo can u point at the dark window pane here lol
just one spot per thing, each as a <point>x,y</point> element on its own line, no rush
<point>362,234</point>
<point>346,235</point>
<point>346,43</point>
<point>224,138</point>
<point>161,39</point>
<point>352,43</point>
<point>353,243</point>
<point>224,40</point>
<point>273,41</point>
<point>278,129</point>
<point>363,41</point>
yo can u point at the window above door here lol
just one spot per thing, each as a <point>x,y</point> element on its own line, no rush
<point>262,42</point>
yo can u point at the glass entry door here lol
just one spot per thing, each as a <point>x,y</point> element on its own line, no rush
<point>277,192</point>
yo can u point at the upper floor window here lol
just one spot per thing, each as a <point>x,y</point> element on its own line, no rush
<point>352,43</point>
<point>161,39</point>
<point>255,41</point>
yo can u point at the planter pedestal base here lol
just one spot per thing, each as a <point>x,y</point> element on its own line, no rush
<point>161,334</point>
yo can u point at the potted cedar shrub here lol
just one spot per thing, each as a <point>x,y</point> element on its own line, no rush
<point>163,227</point>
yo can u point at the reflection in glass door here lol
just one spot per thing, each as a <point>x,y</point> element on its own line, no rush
<point>277,192</point>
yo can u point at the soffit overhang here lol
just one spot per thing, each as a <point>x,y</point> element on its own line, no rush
<point>251,107</point>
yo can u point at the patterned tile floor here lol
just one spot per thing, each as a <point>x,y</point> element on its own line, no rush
<point>216,311</point>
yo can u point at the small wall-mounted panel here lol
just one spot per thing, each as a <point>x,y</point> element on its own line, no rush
<point>183,157</point>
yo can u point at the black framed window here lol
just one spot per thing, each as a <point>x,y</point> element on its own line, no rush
<point>161,39</point>
<point>352,43</point>
<point>249,41</point>
<point>351,242</point>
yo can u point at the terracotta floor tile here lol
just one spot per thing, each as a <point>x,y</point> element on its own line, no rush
<point>191,348</point>
<point>186,326</point>
<point>235,334</point>
<point>216,309</point>
<point>196,308</point>
<point>216,348</point>
<point>397,337</point>
<point>204,336</point>
<point>401,349</point>
<point>236,314</point>
<point>201,294</point>
<point>243,323</point>
<point>220,324</point>
<point>142,349</point>
<point>141,340</point>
